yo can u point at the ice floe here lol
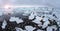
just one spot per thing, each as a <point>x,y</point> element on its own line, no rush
<point>4,24</point>
<point>12,19</point>
<point>37,20</point>
<point>39,30</point>
<point>45,24</point>
<point>29,28</point>
<point>31,16</point>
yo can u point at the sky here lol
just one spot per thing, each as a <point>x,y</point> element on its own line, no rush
<point>52,3</point>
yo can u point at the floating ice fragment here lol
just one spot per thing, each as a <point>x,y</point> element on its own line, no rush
<point>19,21</point>
<point>29,28</point>
<point>31,16</point>
<point>37,20</point>
<point>45,24</point>
<point>4,24</point>
<point>39,30</point>
<point>45,19</point>
<point>12,19</point>
<point>19,29</point>
<point>58,24</point>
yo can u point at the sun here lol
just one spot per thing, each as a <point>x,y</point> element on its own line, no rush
<point>7,6</point>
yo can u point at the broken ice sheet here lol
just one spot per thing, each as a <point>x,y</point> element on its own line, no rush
<point>29,28</point>
<point>45,24</point>
<point>19,21</point>
<point>31,16</point>
<point>12,19</point>
<point>37,20</point>
<point>4,24</point>
<point>45,19</point>
<point>26,13</point>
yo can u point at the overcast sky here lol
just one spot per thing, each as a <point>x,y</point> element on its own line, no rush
<point>53,3</point>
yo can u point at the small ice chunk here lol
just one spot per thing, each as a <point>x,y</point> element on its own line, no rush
<point>12,19</point>
<point>58,24</point>
<point>45,24</point>
<point>19,29</point>
<point>39,30</point>
<point>49,29</point>
<point>4,24</point>
<point>29,28</point>
<point>31,16</point>
<point>45,19</point>
<point>37,20</point>
<point>27,12</point>
<point>51,17</point>
<point>19,21</point>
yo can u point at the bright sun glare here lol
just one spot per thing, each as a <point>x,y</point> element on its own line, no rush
<point>7,6</point>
